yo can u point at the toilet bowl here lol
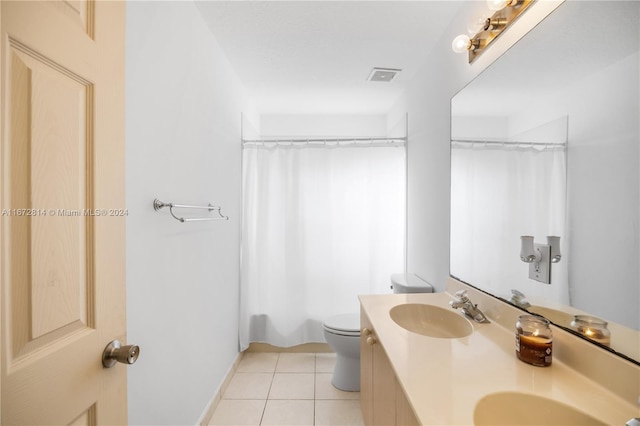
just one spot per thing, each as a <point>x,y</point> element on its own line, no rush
<point>342,333</point>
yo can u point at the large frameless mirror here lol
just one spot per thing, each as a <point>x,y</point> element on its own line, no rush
<point>545,143</point>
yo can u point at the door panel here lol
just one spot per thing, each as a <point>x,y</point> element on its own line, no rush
<point>62,247</point>
<point>48,252</point>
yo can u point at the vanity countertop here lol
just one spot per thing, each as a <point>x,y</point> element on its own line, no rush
<point>444,379</point>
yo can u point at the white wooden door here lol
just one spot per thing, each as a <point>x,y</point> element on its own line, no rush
<point>62,260</point>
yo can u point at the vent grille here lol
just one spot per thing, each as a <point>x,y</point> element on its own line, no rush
<point>383,74</point>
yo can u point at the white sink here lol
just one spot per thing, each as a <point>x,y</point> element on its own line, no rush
<point>430,320</point>
<point>516,408</point>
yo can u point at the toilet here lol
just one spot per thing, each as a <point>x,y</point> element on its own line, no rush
<point>342,333</point>
<point>409,283</point>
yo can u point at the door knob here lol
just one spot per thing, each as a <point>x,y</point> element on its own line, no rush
<point>115,352</point>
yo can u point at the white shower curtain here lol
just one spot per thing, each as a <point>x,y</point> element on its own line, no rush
<point>498,193</point>
<point>321,224</point>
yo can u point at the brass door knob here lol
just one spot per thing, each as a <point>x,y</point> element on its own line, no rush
<point>115,352</point>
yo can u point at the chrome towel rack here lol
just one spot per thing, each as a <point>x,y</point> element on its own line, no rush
<point>157,205</point>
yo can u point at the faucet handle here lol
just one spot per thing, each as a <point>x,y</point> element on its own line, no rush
<point>461,295</point>
<point>517,293</point>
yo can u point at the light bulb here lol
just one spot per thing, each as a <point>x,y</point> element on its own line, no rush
<point>497,4</point>
<point>477,23</point>
<point>461,44</point>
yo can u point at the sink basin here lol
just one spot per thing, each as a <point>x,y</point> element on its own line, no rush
<point>515,408</point>
<point>430,320</point>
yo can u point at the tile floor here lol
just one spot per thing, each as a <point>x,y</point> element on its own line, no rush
<point>286,389</point>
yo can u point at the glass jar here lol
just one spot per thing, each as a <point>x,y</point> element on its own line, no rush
<point>592,328</point>
<point>534,340</point>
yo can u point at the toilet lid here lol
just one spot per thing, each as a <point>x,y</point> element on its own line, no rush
<point>345,323</point>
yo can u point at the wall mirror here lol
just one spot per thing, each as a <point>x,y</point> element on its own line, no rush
<point>545,142</point>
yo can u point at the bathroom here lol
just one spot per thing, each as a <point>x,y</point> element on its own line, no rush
<point>189,160</point>
<point>186,113</point>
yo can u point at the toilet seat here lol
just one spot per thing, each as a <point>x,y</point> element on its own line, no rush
<point>343,325</point>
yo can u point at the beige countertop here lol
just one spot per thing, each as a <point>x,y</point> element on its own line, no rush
<point>443,379</point>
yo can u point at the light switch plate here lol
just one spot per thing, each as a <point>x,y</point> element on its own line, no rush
<point>541,271</point>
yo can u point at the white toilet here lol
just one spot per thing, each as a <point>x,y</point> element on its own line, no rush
<point>409,283</point>
<point>342,333</point>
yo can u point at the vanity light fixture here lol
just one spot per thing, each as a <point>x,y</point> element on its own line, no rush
<point>487,28</point>
<point>540,257</point>
<point>501,4</point>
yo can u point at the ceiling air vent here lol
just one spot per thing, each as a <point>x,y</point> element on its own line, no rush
<point>383,74</point>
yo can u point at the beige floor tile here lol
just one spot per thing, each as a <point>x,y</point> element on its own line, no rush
<point>343,412</point>
<point>238,412</point>
<point>292,386</point>
<point>249,386</point>
<point>325,363</point>
<point>325,390</point>
<point>258,362</point>
<point>288,412</point>
<point>296,363</point>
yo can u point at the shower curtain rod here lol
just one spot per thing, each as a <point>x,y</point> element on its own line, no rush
<point>496,142</point>
<point>326,140</point>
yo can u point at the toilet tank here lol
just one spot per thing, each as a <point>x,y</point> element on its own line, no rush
<point>409,283</point>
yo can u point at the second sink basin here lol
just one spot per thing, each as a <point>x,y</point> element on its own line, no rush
<point>516,408</point>
<point>430,320</point>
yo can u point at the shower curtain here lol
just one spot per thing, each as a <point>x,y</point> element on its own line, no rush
<point>321,224</point>
<point>498,193</point>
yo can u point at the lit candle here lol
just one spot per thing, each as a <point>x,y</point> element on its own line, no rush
<point>592,328</point>
<point>534,340</point>
<point>597,336</point>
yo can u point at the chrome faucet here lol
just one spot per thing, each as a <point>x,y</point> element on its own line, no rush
<point>462,301</point>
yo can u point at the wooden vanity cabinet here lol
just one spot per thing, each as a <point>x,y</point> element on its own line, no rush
<point>381,398</point>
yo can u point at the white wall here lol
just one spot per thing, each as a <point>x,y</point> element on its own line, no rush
<point>321,126</point>
<point>488,128</point>
<point>183,145</point>
<point>427,102</point>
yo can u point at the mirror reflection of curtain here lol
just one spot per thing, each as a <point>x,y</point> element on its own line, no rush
<point>321,224</point>
<point>500,191</point>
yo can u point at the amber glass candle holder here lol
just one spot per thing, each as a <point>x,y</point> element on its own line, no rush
<point>534,341</point>
<point>592,328</point>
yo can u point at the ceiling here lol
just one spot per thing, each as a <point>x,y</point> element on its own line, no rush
<point>313,57</point>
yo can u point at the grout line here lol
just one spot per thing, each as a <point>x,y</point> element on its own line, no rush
<point>264,408</point>
<point>273,375</point>
<point>315,378</point>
